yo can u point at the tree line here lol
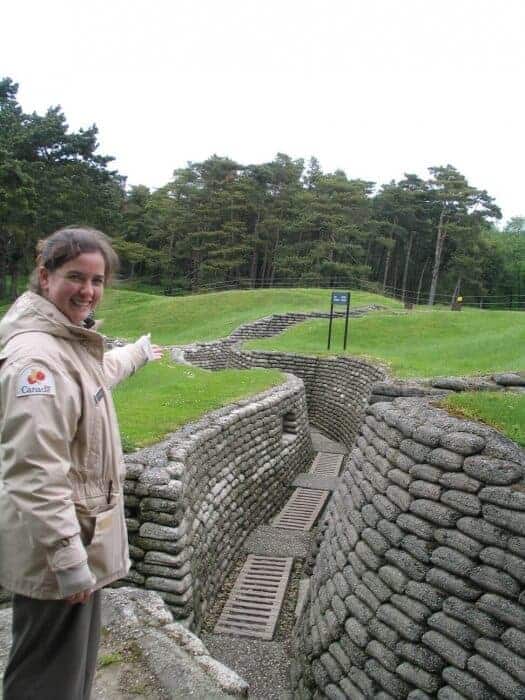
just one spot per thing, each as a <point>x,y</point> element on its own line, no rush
<point>221,224</point>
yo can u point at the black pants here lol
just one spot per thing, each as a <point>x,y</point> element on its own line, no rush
<point>54,649</point>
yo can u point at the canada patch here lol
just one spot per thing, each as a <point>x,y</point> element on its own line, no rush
<point>36,380</point>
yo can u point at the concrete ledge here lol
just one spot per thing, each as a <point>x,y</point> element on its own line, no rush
<point>151,655</point>
<point>322,443</point>
<point>272,541</point>
<point>311,481</point>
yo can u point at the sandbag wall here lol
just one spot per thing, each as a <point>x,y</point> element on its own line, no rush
<point>216,354</point>
<point>337,388</point>
<point>418,588</point>
<point>192,500</point>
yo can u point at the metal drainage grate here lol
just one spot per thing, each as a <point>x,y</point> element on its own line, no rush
<point>302,509</point>
<point>254,603</point>
<point>326,464</point>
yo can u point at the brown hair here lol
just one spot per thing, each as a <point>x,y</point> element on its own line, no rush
<point>68,243</point>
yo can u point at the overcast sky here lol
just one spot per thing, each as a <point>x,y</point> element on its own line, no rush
<point>374,87</point>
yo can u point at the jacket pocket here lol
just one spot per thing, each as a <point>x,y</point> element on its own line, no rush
<point>103,541</point>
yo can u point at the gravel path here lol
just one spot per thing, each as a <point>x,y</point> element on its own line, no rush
<point>265,665</point>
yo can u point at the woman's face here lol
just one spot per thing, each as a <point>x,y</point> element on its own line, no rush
<point>76,287</point>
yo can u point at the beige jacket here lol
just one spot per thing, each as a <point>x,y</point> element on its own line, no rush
<point>62,527</point>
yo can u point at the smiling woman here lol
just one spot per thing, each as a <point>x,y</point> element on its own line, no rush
<point>62,526</point>
<point>77,288</point>
<point>73,265</point>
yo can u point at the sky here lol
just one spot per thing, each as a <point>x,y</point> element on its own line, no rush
<point>377,88</point>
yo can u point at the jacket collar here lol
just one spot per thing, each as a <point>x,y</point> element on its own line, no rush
<point>32,312</point>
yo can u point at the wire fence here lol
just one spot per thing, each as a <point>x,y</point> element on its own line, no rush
<point>512,301</point>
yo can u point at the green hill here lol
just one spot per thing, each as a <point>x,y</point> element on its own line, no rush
<point>421,343</point>
<point>181,320</point>
<point>163,396</point>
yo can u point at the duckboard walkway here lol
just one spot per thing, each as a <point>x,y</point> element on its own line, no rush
<point>256,599</point>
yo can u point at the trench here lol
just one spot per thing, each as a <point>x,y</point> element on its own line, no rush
<point>417,586</point>
<point>247,633</point>
<point>410,582</point>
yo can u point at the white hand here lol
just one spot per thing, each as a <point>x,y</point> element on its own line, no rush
<point>152,352</point>
<point>81,597</point>
<point>157,352</point>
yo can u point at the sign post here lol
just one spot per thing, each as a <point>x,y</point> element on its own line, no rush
<point>330,322</point>
<point>339,298</point>
<point>346,319</point>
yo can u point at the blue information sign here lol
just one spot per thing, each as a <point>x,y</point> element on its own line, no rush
<point>340,298</point>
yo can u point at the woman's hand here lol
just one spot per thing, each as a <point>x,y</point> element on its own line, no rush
<point>152,352</point>
<point>157,351</point>
<point>81,597</point>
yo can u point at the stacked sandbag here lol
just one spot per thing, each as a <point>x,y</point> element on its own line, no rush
<point>418,588</point>
<point>337,388</point>
<point>217,354</point>
<point>193,499</point>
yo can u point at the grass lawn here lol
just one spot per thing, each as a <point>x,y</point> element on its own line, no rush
<point>163,396</point>
<point>504,411</point>
<point>180,320</point>
<point>420,343</point>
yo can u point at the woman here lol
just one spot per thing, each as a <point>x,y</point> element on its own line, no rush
<point>62,527</point>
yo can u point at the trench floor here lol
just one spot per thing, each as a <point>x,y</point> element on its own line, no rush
<point>265,664</point>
